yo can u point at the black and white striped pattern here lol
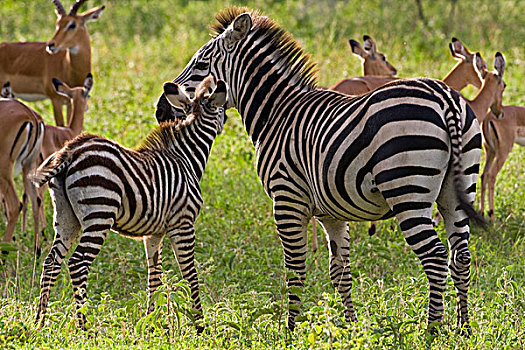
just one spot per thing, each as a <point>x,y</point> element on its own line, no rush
<point>393,152</point>
<point>149,193</point>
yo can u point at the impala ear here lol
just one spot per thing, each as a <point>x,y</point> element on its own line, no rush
<point>499,64</point>
<point>369,45</point>
<point>220,95</point>
<point>7,92</point>
<point>458,50</point>
<point>91,15</point>
<point>238,29</point>
<point>480,65</point>
<point>357,49</point>
<point>176,96</point>
<point>88,84</point>
<point>61,88</point>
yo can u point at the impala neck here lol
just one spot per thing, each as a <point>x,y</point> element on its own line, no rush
<point>457,78</point>
<point>77,119</point>
<point>80,60</point>
<point>481,103</point>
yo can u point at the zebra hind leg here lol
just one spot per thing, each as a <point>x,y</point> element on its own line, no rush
<point>153,246</point>
<point>67,229</point>
<point>291,228</point>
<point>457,226</point>
<point>419,233</point>
<point>339,240</point>
<point>183,244</point>
<point>91,241</point>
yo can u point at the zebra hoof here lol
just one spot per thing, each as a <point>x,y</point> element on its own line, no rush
<point>372,230</point>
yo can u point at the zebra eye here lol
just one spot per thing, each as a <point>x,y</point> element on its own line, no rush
<point>201,65</point>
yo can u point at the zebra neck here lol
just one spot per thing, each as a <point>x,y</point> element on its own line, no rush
<point>193,144</point>
<point>261,97</point>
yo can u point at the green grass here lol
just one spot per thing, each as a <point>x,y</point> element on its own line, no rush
<point>139,44</point>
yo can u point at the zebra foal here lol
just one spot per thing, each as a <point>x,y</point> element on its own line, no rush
<point>148,193</point>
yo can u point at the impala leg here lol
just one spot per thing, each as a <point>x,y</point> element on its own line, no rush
<point>153,246</point>
<point>91,241</point>
<point>339,240</point>
<point>67,229</point>
<point>489,163</point>
<point>36,203</point>
<point>12,205</point>
<point>183,244</point>
<point>501,157</point>
<point>58,103</point>
<point>291,228</point>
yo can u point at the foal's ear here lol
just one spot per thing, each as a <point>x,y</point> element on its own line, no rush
<point>219,96</point>
<point>176,95</point>
<point>238,29</point>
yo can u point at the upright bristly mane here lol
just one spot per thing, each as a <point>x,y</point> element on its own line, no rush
<point>164,136</point>
<point>282,42</point>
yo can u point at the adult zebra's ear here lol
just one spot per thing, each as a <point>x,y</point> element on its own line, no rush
<point>176,96</point>
<point>238,29</point>
<point>220,95</point>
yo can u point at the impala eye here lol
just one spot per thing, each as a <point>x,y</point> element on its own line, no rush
<point>71,26</point>
<point>201,66</point>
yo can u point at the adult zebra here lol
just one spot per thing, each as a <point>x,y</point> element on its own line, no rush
<point>392,152</point>
<point>146,194</point>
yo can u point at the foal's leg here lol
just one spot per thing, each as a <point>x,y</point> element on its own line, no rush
<point>153,246</point>
<point>182,240</point>
<point>91,241</point>
<point>66,231</point>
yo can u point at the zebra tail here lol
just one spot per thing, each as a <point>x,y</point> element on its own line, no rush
<point>455,133</point>
<point>54,165</point>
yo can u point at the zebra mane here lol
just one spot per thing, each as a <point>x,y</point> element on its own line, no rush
<point>282,42</point>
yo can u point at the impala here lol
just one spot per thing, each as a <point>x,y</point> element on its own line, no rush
<point>27,142</point>
<point>30,66</point>
<point>458,78</point>
<point>499,135</point>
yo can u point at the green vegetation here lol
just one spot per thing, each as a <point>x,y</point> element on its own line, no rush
<point>139,44</point>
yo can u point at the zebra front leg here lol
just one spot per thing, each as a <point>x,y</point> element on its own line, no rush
<point>67,229</point>
<point>182,239</point>
<point>291,228</point>
<point>153,246</point>
<point>339,240</point>
<point>91,241</point>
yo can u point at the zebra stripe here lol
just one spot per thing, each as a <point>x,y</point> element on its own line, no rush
<point>392,152</point>
<point>148,193</point>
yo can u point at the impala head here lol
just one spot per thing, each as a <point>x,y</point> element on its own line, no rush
<point>373,61</point>
<point>210,97</point>
<point>79,95</point>
<point>494,78</point>
<point>7,92</point>
<point>71,27</point>
<point>466,61</point>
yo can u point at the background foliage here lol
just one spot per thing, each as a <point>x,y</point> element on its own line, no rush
<point>139,44</point>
